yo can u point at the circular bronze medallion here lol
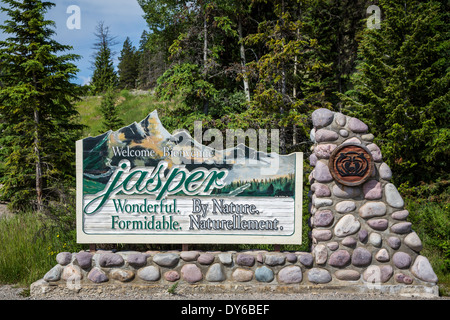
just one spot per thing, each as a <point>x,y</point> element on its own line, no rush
<point>351,164</point>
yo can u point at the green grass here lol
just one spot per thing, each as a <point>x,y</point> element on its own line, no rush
<point>431,221</point>
<point>172,289</point>
<point>90,115</point>
<point>131,107</point>
<point>29,242</point>
<point>25,255</point>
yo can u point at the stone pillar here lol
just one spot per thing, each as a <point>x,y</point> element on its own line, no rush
<point>360,231</point>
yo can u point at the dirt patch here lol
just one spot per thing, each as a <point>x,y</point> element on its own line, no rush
<point>4,212</point>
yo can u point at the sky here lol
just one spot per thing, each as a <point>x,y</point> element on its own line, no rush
<point>123,17</point>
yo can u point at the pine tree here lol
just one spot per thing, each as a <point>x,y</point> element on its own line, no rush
<point>38,131</point>
<point>285,72</point>
<point>335,25</point>
<point>128,65</point>
<point>104,75</point>
<point>231,18</point>
<point>108,108</point>
<point>166,20</point>
<point>401,88</point>
<point>152,60</point>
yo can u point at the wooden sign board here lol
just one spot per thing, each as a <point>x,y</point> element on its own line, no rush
<point>141,184</point>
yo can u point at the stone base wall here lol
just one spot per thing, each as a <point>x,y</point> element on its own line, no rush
<point>360,234</point>
<point>362,229</point>
<point>213,272</point>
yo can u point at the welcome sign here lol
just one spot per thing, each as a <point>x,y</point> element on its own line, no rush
<point>141,184</point>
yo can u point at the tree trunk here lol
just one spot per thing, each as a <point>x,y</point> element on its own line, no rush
<point>37,152</point>
<point>205,58</point>
<point>294,135</point>
<point>205,45</point>
<point>283,91</point>
<point>243,60</point>
<point>294,89</point>
<point>283,94</point>
<point>339,52</point>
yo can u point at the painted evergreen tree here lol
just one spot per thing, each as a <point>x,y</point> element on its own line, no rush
<point>128,65</point>
<point>104,75</point>
<point>38,130</point>
<point>401,88</point>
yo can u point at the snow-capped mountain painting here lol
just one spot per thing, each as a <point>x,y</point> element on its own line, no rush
<point>147,143</point>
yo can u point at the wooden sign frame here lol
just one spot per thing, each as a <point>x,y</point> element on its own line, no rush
<point>110,215</point>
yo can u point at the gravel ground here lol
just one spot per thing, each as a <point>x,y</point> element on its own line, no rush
<point>225,306</point>
<point>8,292</point>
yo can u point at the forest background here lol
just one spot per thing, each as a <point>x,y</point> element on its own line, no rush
<point>231,64</point>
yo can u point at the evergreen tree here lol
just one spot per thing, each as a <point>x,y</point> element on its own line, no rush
<point>295,56</point>
<point>152,60</point>
<point>128,65</point>
<point>285,72</point>
<point>167,21</point>
<point>104,74</point>
<point>335,25</point>
<point>37,125</point>
<point>231,18</point>
<point>108,108</point>
<point>401,88</point>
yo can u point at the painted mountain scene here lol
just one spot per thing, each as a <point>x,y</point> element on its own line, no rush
<point>145,144</point>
